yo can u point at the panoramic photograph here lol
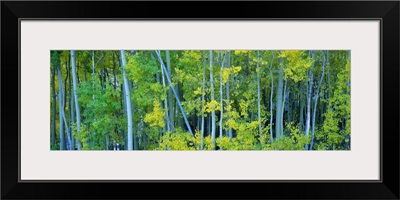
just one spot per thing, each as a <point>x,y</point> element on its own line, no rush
<point>221,100</point>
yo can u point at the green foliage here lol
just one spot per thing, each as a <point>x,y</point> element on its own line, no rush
<point>296,140</point>
<point>181,141</point>
<point>83,135</point>
<point>296,65</point>
<point>56,146</point>
<point>103,107</point>
<point>55,58</point>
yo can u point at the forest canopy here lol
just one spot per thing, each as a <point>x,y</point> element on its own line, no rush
<point>200,100</point>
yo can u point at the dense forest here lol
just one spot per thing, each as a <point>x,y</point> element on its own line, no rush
<point>200,100</point>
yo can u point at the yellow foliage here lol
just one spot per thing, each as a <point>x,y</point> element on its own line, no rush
<point>180,74</point>
<point>155,118</point>
<point>198,91</point>
<point>226,72</point>
<point>297,64</point>
<point>253,125</point>
<point>243,108</point>
<point>232,122</point>
<point>212,106</point>
<point>196,55</point>
<point>236,69</point>
<point>237,52</point>
<point>225,75</point>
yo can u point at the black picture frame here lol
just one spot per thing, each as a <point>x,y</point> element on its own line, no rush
<point>386,11</point>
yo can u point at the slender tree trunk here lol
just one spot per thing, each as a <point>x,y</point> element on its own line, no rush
<point>60,107</point>
<point>316,99</point>
<point>54,107</point>
<point>271,102</point>
<point>72,118</point>
<point>65,88</point>
<point>221,98</point>
<point>71,108</point>
<point>178,118</point>
<point>258,94</point>
<point>309,94</point>
<point>134,130</point>
<point>212,99</point>
<point>278,121</point>
<point>143,133</point>
<point>198,123</point>
<point>124,106</point>
<point>93,97</point>
<point>289,116</point>
<point>127,100</point>
<point>283,106</point>
<point>202,102</point>
<point>228,98</point>
<point>209,125</point>
<point>301,108</point>
<point>69,146</point>
<point>107,142</point>
<point>167,119</point>
<point>115,76</point>
<point>77,109</point>
<point>170,101</point>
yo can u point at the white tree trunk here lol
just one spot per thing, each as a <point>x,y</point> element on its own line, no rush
<point>228,98</point>
<point>60,108</point>
<point>316,100</point>
<point>165,101</point>
<point>212,99</point>
<point>202,102</point>
<point>170,101</point>
<point>271,101</point>
<point>283,106</point>
<point>127,100</point>
<point>309,94</point>
<point>221,99</point>
<point>77,109</point>
<point>278,121</point>
<point>258,93</point>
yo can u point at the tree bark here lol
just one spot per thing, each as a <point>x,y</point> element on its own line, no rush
<point>271,101</point>
<point>77,109</point>
<point>221,98</point>
<point>62,111</point>
<point>258,94</point>
<point>212,99</point>
<point>316,99</point>
<point>228,96</point>
<point>177,117</point>
<point>60,107</point>
<point>289,109</point>
<point>283,106</point>
<point>202,101</point>
<point>301,108</point>
<point>167,119</point>
<point>134,130</point>
<point>309,94</point>
<point>72,118</point>
<point>278,121</point>
<point>170,101</point>
<point>127,100</point>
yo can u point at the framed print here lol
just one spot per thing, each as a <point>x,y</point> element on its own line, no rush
<point>299,96</point>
